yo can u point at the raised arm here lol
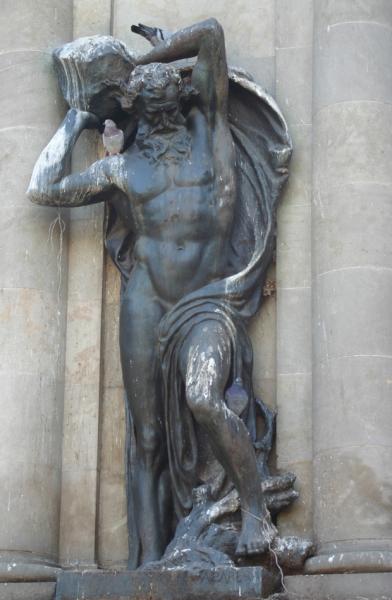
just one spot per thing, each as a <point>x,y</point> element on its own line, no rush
<point>51,186</point>
<point>206,41</point>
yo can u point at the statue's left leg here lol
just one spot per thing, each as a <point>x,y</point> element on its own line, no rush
<point>205,367</point>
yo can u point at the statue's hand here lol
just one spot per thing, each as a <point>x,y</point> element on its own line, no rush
<point>154,35</point>
<point>89,120</point>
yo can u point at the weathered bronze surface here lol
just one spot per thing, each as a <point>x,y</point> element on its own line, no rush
<point>191,204</point>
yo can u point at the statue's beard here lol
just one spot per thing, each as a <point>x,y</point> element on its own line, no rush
<point>168,121</point>
<point>168,138</point>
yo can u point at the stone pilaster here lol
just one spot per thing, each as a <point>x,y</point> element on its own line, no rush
<point>80,466</point>
<point>32,276</point>
<point>352,283</point>
<point>294,41</point>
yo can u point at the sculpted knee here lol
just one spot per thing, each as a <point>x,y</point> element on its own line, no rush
<point>198,402</point>
<point>204,403</point>
<point>149,440</point>
<point>201,386</point>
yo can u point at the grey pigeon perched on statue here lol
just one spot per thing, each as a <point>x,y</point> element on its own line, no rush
<point>113,138</point>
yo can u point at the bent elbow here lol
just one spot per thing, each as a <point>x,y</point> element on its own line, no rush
<point>214,30</point>
<point>36,196</point>
<point>33,195</point>
<point>213,25</point>
<point>34,191</point>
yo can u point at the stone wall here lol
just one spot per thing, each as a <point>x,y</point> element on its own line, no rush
<point>323,341</point>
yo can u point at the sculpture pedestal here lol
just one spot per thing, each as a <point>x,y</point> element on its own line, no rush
<point>221,583</point>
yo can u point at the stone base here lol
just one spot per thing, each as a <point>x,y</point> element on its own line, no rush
<point>365,561</point>
<point>350,586</point>
<point>221,583</point>
<point>13,571</point>
<point>27,591</point>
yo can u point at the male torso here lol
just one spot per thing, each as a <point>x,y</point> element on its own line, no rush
<point>181,204</point>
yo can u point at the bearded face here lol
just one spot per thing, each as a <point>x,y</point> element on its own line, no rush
<point>154,92</point>
<point>160,106</point>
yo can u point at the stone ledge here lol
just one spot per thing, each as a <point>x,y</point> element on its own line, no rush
<point>27,591</point>
<point>349,586</point>
<point>12,571</point>
<point>370,561</point>
<point>221,583</point>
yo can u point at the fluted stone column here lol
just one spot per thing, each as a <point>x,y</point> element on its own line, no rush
<point>352,286</point>
<point>32,274</point>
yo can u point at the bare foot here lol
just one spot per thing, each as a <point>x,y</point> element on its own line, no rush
<point>256,535</point>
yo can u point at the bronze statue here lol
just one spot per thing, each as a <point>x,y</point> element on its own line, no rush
<point>191,214</point>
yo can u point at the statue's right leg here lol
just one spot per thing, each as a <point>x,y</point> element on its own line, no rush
<point>139,317</point>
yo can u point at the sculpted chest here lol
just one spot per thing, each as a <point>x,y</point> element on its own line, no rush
<point>147,179</point>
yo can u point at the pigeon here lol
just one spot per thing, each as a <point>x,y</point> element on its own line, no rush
<point>153,34</point>
<point>112,138</point>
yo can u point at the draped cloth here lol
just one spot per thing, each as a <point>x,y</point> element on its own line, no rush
<point>263,149</point>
